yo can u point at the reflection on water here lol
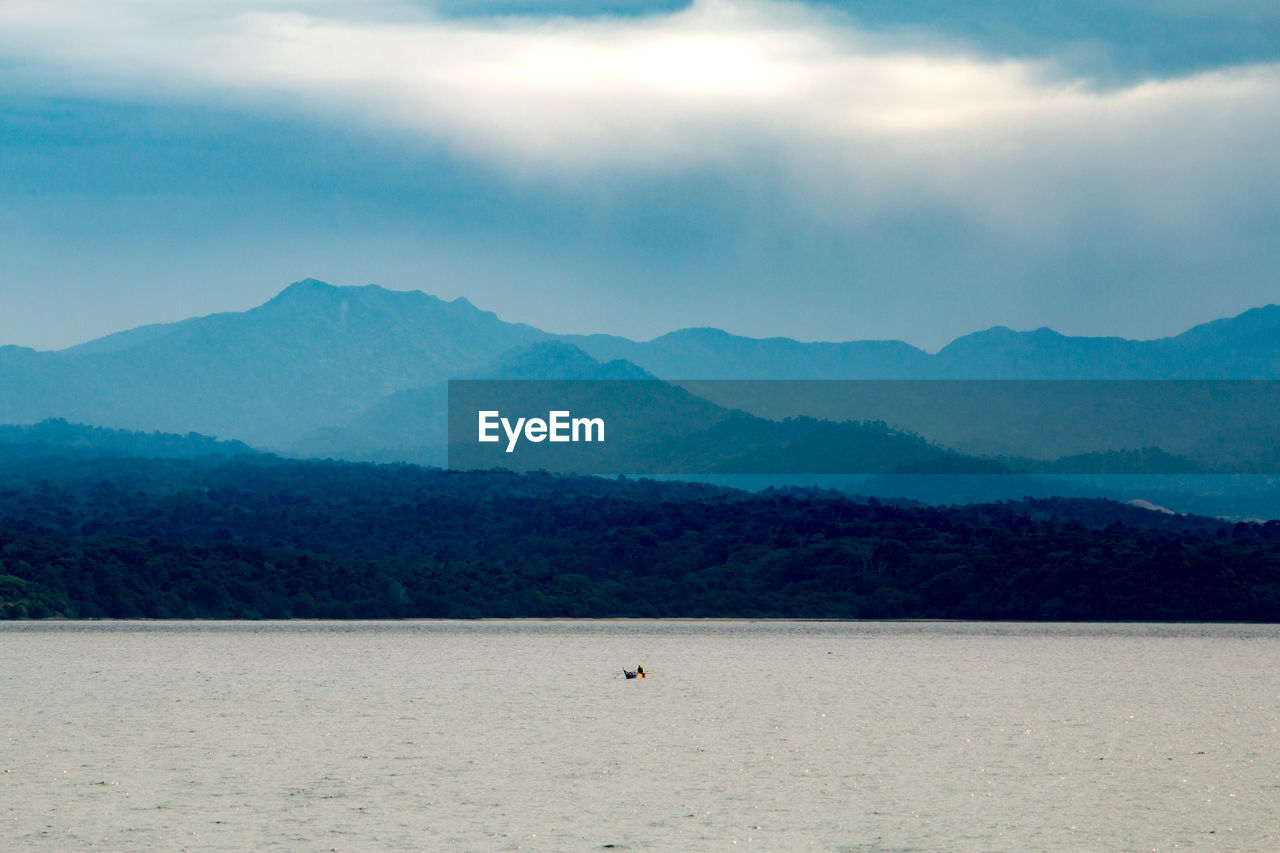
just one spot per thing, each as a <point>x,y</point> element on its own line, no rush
<point>746,735</point>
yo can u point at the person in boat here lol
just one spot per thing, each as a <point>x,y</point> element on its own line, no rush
<point>640,671</point>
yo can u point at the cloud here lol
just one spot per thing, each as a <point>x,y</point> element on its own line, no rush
<point>851,121</point>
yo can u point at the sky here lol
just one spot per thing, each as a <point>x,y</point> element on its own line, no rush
<point>905,169</point>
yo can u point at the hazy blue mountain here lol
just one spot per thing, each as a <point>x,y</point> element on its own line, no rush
<point>714,354</point>
<point>313,356</point>
<point>1243,347</point>
<point>556,360</point>
<point>411,425</point>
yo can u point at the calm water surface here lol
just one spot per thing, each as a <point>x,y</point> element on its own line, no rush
<point>747,736</point>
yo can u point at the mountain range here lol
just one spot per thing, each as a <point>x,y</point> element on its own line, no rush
<point>1242,347</point>
<point>325,370</point>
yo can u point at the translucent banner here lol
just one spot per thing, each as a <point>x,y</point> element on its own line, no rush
<point>866,427</point>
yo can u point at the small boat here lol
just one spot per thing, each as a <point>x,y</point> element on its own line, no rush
<point>638,672</point>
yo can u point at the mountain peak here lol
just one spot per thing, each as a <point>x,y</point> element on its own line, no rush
<point>315,291</point>
<point>1264,320</point>
<point>697,333</point>
<point>559,360</point>
<point>305,286</point>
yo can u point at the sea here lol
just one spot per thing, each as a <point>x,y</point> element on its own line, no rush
<point>745,735</point>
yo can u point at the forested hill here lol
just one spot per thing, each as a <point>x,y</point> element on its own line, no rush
<point>258,537</point>
<point>55,436</point>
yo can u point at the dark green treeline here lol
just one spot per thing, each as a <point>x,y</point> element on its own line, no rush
<point>260,537</point>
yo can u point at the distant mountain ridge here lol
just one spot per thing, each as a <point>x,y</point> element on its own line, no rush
<point>704,353</point>
<point>318,357</point>
<point>1243,347</point>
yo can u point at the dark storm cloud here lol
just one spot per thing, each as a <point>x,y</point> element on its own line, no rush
<point>911,170</point>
